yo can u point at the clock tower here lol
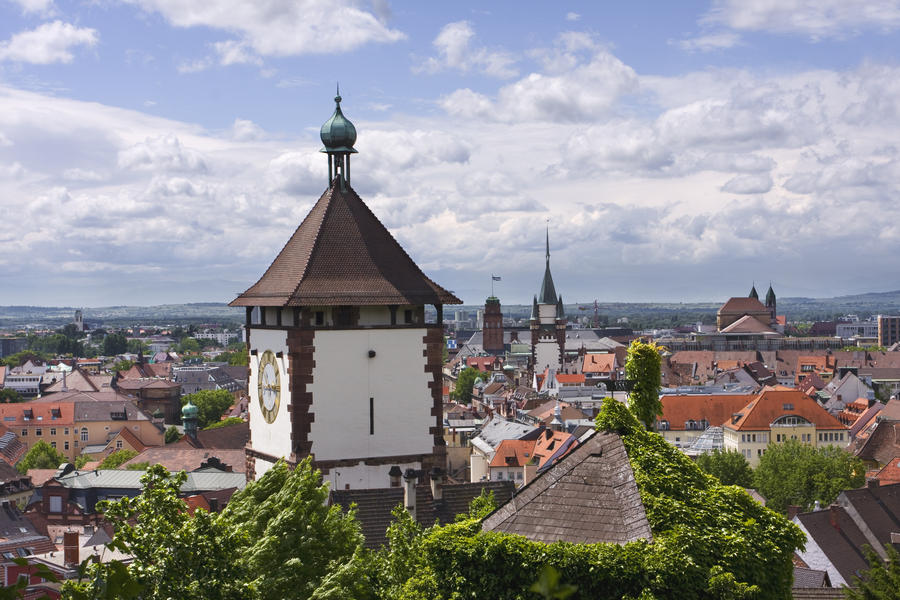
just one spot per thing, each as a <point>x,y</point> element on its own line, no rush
<point>548,324</point>
<point>344,366</point>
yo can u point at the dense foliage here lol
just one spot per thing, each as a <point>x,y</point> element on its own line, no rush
<point>115,343</point>
<point>117,459</point>
<point>40,456</point>
<point>8,395</point>
<point>728,466</point>
<point>795,473</point>
<point>172,434</point>
<point>643,367</point>
<point>225,423</point>
<point>462,393</point>
<point>881,581</point>
<point>211,405</point>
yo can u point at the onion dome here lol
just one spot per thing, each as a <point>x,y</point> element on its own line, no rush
<point>189,411</point>
<point>338,133</point>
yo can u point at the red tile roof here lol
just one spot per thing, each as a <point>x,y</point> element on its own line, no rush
<point>570,378</point>
<point>742,305</point>
<point>716,409</point>
<point>890,473</point>
<point>748,324</point>
<point>513,453</point>
<point>41,413</point>
<point>341,254</point>
<point>598,363</point>
<point>773,403</point>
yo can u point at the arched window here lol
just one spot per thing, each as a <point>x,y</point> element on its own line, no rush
<point>84,434</point>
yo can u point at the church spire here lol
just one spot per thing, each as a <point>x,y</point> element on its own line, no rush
<point>548,291</point>
<point>753,293</point>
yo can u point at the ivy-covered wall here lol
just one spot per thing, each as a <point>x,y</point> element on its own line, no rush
<point>710,541</point>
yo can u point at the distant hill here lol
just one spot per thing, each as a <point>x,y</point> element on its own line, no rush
<point>642,314</point>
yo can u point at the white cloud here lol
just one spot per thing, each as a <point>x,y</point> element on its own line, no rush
<point>281,27</point>
<point>748,184</point>
<point>456,52</point>
<point>572,16</point>
<point>48,43</point>
<point>711,42</point>
<point>76,174</point>
<point>243,130</point>
<point>585,83</point>
<point>233,52</point>
<point>814,18</point>
<point>195,66</point>
<point>163,152</point>
<point>44,8</point>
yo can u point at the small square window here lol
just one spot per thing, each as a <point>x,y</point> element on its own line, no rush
<point>320,317</point>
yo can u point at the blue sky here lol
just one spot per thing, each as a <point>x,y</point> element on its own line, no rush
<point>158,151</point>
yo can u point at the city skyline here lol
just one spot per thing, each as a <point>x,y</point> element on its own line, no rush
<point>155,152</point>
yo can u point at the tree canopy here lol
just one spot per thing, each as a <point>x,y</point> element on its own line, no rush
<point>464,383</point>
<point>117,459</point>
<point>881,581</point>
<point>795,473</point>
<point>41,456</point>
<point>9,395</point>
<point>115,343</point>
<point>728,466</point>
<point>643,369</point>
<point>211,405</point>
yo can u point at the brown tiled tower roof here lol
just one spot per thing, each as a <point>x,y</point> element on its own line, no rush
<point>341,254</point>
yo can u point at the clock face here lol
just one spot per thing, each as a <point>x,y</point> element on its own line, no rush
<point>269,386</point>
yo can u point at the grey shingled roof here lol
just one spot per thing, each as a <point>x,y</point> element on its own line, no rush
<point>589,496</point>
<point>124,479</point>
<point>498,430</point>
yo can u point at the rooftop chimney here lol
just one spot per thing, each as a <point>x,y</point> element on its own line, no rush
<point>395,474</point>
<point>70,548</point>
<point>437,483</point>
<point>409,492</point>
<point>833,516</point>
<point>792,511</point>
<point>872,484</point>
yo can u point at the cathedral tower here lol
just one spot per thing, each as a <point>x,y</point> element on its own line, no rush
<point>548,324</point>
<point>492,331</point>
<point>344,367</point>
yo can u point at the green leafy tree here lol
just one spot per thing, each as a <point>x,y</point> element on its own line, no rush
<point>117,459</point>
<point>135,345</point>
<point>211,405</point>
<point>40,456</point>
<point>20,358</point>
<point>176,554</point>
<point>795,473</point>
<point>881,581</point>
<point>236,359</point>
<point>189,346</point>
<point>643,369</point>
<point>172,434</point>
<point>297,545</point>
<point>81,460</point>
<point>115,343</point>
<point>464,384</point>
<point>138,466</point>
<point>123,365</point>
<point>728,466</point>
<point>8,396</point>
<point>225,423</point>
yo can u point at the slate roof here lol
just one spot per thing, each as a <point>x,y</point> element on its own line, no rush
<point>341,254</point>
<point>809,578</point>
<point>374,506</point>
<point>11,448</point>
<point>589,496</point>
<point>16,531</point>
<point>497,430</point>
<point>883,444</point>
<point>838,537</point>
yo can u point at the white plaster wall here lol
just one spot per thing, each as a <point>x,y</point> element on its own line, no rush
<point>547,313</point>
<point>271,438</point>
<point>546,353</point>
<point>478,466</point>
<point>365,476</point>
<point>262,466</point>
<point>344,379</point>
<point>375,315</point>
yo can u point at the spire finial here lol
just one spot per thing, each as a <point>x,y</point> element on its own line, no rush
<point>548,240</point>
<point>337,97</point>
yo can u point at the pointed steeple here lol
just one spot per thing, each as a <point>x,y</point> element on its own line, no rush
<point>548,291</point>
<point>560,311</point>
<point>753,293</point>
<point>534,310</point>
<point>770,296</point>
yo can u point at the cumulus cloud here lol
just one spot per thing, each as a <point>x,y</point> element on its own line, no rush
<point>164,152</point>
<point>234,52</point>
<point>748,184</point>
<point>587,83</point>
<point>814,18</point>
<point>281,27</point>
<point>42,7</point>
<point>243,130</point>
<point>456,52</point>
<point>46,44</point>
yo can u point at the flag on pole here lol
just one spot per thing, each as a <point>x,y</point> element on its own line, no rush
<point>495,278</point>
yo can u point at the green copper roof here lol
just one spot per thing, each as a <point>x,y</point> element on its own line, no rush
<point>548,292</point>
<point>753,293</point>
<point>189,410</point>
<point>770,296</point>
<point>338,133</point>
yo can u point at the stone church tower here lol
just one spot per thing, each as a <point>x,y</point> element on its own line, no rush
<point>492,331</point>
<point>548,324</point>
<point>343,365</point>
